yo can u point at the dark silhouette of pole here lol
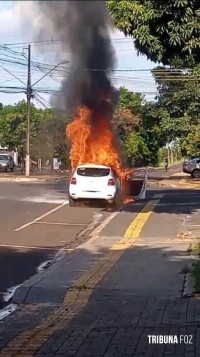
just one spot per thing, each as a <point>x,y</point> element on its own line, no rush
<point>28,95</point>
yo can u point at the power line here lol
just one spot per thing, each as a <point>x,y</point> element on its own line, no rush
<point>13,75</point>
<point>40,100</point>
<point>29,43</point>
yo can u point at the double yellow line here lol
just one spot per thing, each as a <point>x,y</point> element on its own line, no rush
<point>77,297</point>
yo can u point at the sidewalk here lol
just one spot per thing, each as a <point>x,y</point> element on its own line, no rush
<point>107,296</point>
<point>17,177</point>
<point>179,180</point>
<point>176,180</point>
<point>161,167</point>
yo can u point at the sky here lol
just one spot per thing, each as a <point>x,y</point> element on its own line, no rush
<point>20,21</point>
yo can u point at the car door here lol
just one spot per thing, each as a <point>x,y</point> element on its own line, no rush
<point>135,188</point>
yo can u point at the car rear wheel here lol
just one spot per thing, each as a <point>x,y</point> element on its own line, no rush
<point>118,202</point>
<point>72,203</point>
<point>196,173</point>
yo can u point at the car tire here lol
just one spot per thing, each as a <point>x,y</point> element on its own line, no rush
<point>72,202</point>
<point>196,173</point>
<point>118,202</point>
<point>6,169</point>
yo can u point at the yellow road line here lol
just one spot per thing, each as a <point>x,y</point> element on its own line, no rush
<point>77,297</point>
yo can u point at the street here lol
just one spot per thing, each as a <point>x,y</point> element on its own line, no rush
<point>26,244</point>
<point>113,289</point>
<point>100,179</point>
<point>160,173</point>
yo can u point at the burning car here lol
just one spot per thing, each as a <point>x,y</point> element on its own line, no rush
<point>89,99</point>
<point>95,182</point>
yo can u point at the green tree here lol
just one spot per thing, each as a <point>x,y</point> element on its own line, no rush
<point>136,150</point>
<point>165,31</point>
<point>127,113</point>
<point>138,125</point>
<point>150,130</point>
<point>179,104</point>
<point>191,145</point>
<point>51,138</point>
<point>13,124</point>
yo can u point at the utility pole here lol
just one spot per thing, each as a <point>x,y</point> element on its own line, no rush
<point>28,96</point>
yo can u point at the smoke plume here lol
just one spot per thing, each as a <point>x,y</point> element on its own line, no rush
<point>83,28</point>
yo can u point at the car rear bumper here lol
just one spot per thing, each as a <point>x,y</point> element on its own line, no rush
<point>93,195</point>
<point>187,171</point>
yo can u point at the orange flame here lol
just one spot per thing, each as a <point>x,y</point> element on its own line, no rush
<point>128,199</point>
<point>91,144</point>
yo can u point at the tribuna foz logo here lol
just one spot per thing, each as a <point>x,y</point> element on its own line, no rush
<point>170,339</point>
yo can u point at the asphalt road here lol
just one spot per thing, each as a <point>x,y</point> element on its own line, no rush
<point>36,223</point>
<point>158,174</point>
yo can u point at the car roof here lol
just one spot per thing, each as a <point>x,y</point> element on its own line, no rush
<point>93,166</point>
<point>195,158</point>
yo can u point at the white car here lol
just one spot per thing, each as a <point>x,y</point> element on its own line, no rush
<point>95,182</point>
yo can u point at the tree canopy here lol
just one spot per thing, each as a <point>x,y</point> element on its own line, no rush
<point>47,131</point>
<point>144,127</point>
<point>178,101</point>
<point>137,122</point>
<point>165,31</point>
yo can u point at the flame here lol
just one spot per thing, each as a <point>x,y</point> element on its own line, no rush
<point>128,199</point>
<point>93,143</point>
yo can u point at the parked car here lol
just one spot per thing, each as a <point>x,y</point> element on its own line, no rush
<point>192,167</point>
<point>95,182</point>
<point>6,162</point>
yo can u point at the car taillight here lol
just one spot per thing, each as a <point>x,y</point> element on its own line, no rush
<point>111,182</point>
<point>73,181</point>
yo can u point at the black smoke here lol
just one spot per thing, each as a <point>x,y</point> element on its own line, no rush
<point>83,28</point>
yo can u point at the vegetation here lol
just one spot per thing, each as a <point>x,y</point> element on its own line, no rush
<point>47,132</point>
<point>138,128</point>
<point>195,270</point>
<point>164,31</point>
<point>144,127</point>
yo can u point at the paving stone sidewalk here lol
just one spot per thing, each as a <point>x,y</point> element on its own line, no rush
<point>111,324</point>
<point>105,321</point>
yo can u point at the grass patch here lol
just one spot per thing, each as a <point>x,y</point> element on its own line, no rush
<point>185,270</point>
<point>189,250</point>
<point>195,270</point>
<point>196,249</point>
<point>196,275</point>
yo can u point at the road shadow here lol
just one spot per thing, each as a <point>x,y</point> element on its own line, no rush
<point>174,201</point>
<point>18,265</point>
<point>139,295</point>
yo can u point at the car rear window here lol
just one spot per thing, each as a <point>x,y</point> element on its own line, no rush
<point>194,161</point>
<point>93,172</point>
<point>4,157</point>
